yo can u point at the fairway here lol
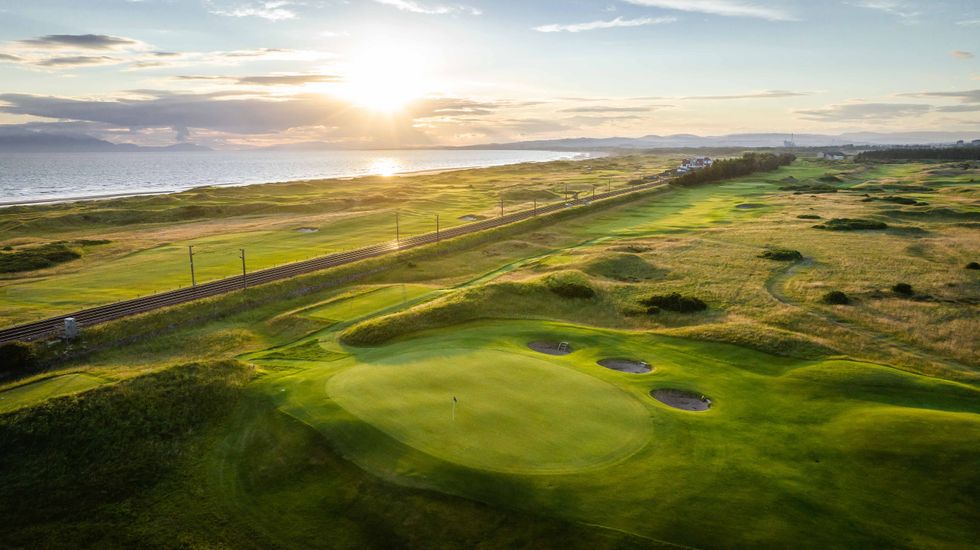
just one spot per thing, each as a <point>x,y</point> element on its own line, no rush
<point>36,392</point>
<point>515,414</point>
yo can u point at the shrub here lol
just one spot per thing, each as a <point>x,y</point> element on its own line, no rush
<point>808,217</point>
<point>836,297</point>
<point>904,289</point>
<point>782,255</point>
<point>830,178</point>
<point>38,257</point>
<point>850,224</point>
<point>674,302</point>
<point>973,265</point>
<point>570,285</point>
<point>16,357</point>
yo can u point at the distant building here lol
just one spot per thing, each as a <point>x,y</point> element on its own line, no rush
<point>833,155</point>
<point>789,143</point>
<point>690,165</point>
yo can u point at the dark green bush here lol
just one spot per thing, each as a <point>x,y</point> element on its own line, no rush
<point>808,217</point>
<point>904,289</point>
<point>782,255</point>
<point>37,257</point>
<point>850,224</point>
<point>973,265</point>
<point>836,297</point>
<point>830,178</point>
<point>17,357</point>
<point>570,285</point>
<point>674,302</point>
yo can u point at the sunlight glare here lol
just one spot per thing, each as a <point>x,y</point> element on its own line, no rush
<point>386,79</point>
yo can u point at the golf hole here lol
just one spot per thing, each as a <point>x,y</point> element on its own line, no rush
<point>682,399</point>
<point>631,366</point>
<point>551,348</point>
<point>472,218</point>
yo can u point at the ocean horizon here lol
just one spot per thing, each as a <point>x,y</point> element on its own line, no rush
<point>27,178</point>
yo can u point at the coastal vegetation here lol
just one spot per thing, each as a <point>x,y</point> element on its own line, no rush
<point>437,399</point>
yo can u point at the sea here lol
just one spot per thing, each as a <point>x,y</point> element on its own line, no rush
<point>51,177</point>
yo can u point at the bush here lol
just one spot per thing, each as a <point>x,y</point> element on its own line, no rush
<point>17,357</point>
<point>570,285</point>
<point>836,297</point>
<point>850,224</point>
<point>782,255</point>
<point>674,302</point>
<point>733,168</point>
<point>973,265</point>
<point>38,257</point>
<point>904,289</point>
<point>830,178</point>
<point>808,217</point>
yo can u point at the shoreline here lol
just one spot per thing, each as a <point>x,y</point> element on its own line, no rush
<point>589,155</point>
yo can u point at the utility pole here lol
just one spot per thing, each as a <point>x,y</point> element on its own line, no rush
<point>608,186</point>
<point>501,206</point>
<point>244,280</point>
<point>534,209</point>
<point>593,191</point>
<point>190,254</point>
<point>397,231</point>
<point>437,227</point>
<point>566,191</point>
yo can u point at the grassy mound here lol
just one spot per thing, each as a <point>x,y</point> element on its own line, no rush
<point>808,217</point>
<point>95,452</point>
<point>37,257</point>
<point>782,255</point>
<point>674,302</point>
<point>570,284</point>
<point>622,267</point>
<point>850,224</point>
<point>533,299</point>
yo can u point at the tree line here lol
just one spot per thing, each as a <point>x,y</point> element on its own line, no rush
<point>920,153</point>
<point>733,168</point>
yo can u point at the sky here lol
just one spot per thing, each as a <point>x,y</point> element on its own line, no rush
<point>243,73</point>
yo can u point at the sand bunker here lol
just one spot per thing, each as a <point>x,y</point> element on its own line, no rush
<point>307,230</point>
<point>631,366</point>
<point>472,218</point>
<point>749,205</point>
<point>551,348</point>
<point>681,399</point>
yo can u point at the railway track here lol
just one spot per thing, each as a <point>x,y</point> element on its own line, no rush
<point>54,326</point>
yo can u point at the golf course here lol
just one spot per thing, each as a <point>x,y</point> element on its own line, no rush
<point>786,359</point>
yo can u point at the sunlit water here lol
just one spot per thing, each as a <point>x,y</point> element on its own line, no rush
<point>39,177</point>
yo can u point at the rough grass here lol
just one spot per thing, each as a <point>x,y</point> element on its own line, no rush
<point>850,224</point>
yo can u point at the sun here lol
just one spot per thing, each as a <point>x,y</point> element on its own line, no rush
<point>387,79</point>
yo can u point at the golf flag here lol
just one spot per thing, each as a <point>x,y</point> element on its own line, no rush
<point>454,406</point>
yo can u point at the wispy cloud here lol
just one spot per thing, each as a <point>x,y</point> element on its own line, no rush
<point>80,41</point>
<point>76,60</point>
<point>607,109</point>
<point>276,10</point>
<point>767,94</point>
<point>850,112</point>
<point>727,8</point>
<point>891,7</point>
<point>430,9</point>
<point>969,23</point>
<point>965,96</point>
<point>268,80</point>
<point>961,54</point>
<point>609,24</point>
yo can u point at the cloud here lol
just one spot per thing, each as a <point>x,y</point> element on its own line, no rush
<point>961,54</point>
<point>430,9</point>
<point>969,23</point>
<point>891,7</point>
<point>603,109</point>
<point>271,10</point>
<point>767,94</point>
<point>77,60</point>
<point>268,80</point>
<point>609,24</point>
<point>6,57</point>
<point>727,8</point>
<point>959,108</point>
<point>849,112</point>
<point>965,96</point>
<point>81,41</point>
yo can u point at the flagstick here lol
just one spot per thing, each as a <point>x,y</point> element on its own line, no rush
<point>454,409</point>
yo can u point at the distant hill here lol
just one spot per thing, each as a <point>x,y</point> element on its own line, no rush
<point>40,142</point>
<point>737,140</point>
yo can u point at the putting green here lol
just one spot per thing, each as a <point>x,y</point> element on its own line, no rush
<point>516,413</point>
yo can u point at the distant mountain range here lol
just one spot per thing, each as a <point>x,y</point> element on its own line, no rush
<point>738,140</point>
<point>40,142</point>
<point>50,142</point>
